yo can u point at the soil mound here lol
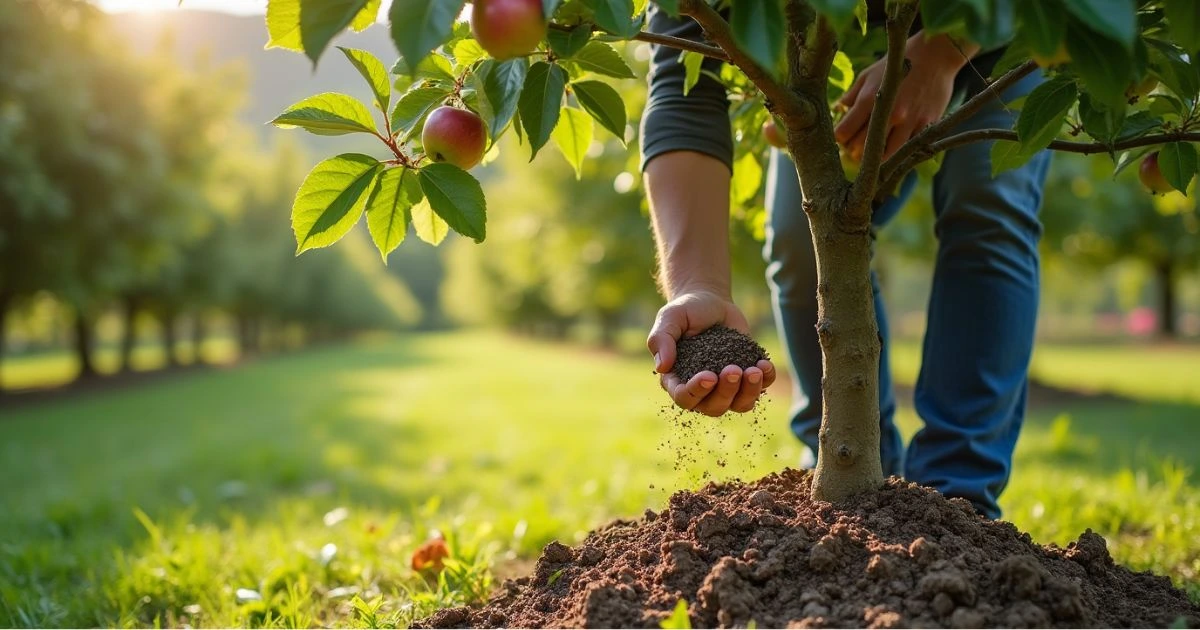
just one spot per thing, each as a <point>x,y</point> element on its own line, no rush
<point>713,349</point>
<point>765,553</point>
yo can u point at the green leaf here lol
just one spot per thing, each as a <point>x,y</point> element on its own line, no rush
<point>1170,64</point>
<point>1183,19</point>
<point>670,6</point>
<point>566,43</point>
<point>1115,19</point>
<point>468,51</point>
<point>604,104</point>
<point>309,25</point>
<point>1045,24</point>
<point>1008,155</point>
<point>329,114</point>
<point>457,198</point>
<point>862,15</point>
<point>388,208</point>
<point>331,199</point>
<point>841,74</point>
<point>839,12</point>
<point>601,58</point>
<point>679,619</point>
<point>938,16</point>
<point>1099,121</point>
<point>1138,124</point>
<point>502,84</point>
<point>1106,69</point>
<point>1045,108</point>
<point>373,71</point>
<point>573,135</point>
<point>419,26</point>
<point>1178,163</point>
<point>367,16</point>
<point>747,179</point>
<point>693,62</point>
<point>614,16</point>
<point>412,108</point>
<point>435,67</point>
<point>428,226</point>
<point>758,28</point>
<point>540,101</point>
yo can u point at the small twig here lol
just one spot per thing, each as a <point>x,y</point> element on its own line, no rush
<point>898,25</point>
<point>1066,146</point>
<point>664,40</point>
<point>780,99</point>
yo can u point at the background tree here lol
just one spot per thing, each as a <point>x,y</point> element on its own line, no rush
<point>1099,54</point>
<point>1118,221</point>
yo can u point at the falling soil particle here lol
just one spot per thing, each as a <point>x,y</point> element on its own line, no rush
<point>766,553</point>
<point>714,349</point>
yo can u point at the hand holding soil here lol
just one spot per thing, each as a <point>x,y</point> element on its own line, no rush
<point>706,361</point>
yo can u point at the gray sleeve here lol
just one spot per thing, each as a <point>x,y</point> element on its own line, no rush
<point>674,122</point>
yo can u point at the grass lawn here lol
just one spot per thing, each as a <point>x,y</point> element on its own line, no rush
<point>291,491</point>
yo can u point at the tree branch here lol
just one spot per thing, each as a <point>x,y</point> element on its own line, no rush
<point>900,19</point>
<point>665,40</point>
<point>897,166</point>
<point>1065,146</point>
<point>779,99</point>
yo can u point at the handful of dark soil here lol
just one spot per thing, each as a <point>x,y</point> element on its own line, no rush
<point>766,553</point>
<point>714,349</point>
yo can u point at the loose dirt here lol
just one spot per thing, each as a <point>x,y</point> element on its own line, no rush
<point>714,349</point>
<point>766,553</point>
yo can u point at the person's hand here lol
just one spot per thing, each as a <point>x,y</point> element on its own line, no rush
<point>921,99</point>
<point>712,394</point>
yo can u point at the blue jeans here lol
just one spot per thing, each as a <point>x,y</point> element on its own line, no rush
<point>982,313</point>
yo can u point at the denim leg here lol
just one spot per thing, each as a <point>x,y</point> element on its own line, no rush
<point>982,314</point>
<point>792,276</point>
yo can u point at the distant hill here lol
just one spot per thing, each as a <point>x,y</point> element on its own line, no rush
<point>277,78</point>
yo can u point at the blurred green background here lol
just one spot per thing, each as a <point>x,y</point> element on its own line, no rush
<point>198,427</point>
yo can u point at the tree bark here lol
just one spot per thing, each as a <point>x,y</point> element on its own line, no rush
<point>83,346</point>
<point>1165,274</point>
<point>848,460</point>
<point>128,334</point>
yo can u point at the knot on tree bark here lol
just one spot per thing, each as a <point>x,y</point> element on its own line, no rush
<point>845,454</point>
<point>825,332</point>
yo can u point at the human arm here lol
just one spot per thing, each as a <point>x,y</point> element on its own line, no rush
<point>687,161</point>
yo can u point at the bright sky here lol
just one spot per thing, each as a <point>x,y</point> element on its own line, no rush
<point>230,6</point>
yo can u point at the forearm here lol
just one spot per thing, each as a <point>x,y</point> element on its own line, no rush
<point>689,206</point>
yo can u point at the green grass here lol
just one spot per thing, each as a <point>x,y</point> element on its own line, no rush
<point>155,505</point>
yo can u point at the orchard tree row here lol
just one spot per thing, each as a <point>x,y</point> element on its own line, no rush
<point>128,185</point>
<point>1120,85</point>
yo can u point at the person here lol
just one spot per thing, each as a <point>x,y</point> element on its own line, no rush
<point>982,310</point>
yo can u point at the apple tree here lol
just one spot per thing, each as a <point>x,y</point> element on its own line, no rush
<point>1120,83</point>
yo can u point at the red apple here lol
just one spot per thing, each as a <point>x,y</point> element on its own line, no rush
<point>453,135</point>
<point>508,28</point>
<point>1152,177</point>
<point>770,131</point>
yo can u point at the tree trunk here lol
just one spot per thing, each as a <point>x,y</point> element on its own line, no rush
<point>83,346</point>
<point>1165,273</point>
<point>848,460</point>
<point>199,332</point>
<point>170,338</point>
<point>609,323</point>
<point>128,334</point>
<point>6,301</point>
<point>245,343</point>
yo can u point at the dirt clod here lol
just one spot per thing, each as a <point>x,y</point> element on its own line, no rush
<point>766,553</point>
<point>714,349</point>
